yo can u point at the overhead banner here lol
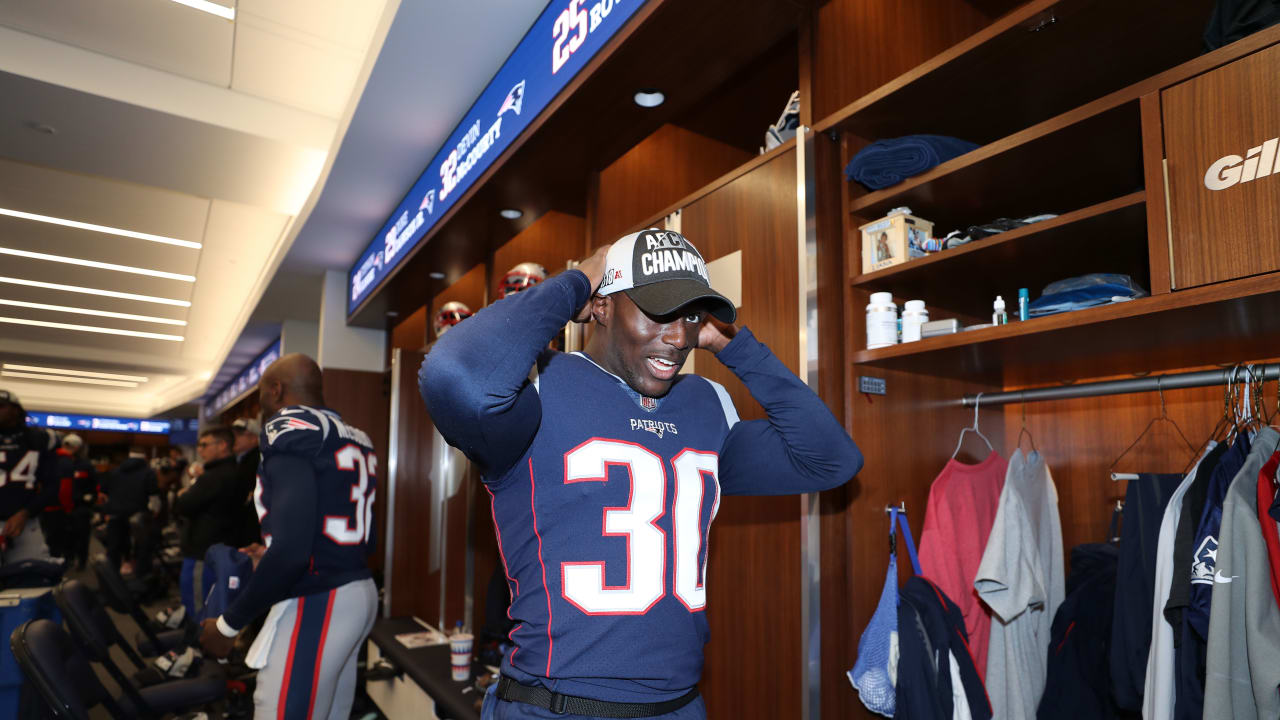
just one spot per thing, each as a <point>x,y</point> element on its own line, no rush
<point>245,380</point>
<point>561,42</point>
<point>72,423</point>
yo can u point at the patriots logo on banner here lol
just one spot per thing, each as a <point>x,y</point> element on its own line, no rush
<point>282,425</point>
<point>429,201</point>
<point>515,99</point>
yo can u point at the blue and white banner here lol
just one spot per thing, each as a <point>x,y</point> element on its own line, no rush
<point>244,381</point>
<point>74,423</point>
<point>564,38</point>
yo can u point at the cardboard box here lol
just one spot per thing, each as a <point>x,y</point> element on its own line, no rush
<point>885,241</point>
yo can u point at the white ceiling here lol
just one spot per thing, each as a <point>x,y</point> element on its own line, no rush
<point>169,121</point>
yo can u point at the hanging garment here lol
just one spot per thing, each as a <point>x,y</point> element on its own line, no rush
<point>1078,681</point>
<point>962,507</point>
<point>874,673</point>
<point>1190,656</point>
<point>1243,678</point>
<point>1158,696</point>
<point>1267,498</point>
<point>931,636</point>
<point>1021,580</point>
<point>1144,503</point>
<point>1184,539</point>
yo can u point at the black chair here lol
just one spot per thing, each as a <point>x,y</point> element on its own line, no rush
<point>152,640</point>
<point>93,629</point>
<point>59,672</point>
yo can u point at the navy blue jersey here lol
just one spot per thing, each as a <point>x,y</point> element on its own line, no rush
<point>315,492</point>
<point>27,463</point>
<point>603,499</point>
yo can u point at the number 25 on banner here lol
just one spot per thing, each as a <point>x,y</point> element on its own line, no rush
<point>572,27</point>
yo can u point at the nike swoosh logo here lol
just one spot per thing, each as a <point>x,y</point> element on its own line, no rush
<point>1219,577</point>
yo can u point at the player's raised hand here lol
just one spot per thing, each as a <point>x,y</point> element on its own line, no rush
<point>593,268</point>
<point>714,334</point>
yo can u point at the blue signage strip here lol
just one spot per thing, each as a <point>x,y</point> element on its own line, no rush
<point>561,42</point>
<point>245,380</point>
<point>71,423</point>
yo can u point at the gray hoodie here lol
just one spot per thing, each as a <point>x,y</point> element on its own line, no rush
<point>1243,679</point>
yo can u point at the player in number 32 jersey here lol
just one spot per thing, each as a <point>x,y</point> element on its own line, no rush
<point>606,469</point>
<point>316,487</point>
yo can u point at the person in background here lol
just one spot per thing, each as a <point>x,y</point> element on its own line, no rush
<point>125,490</point>
<point>247,432</point>
<point>211,506</point>
<point>27,462</point>
<point>84,488</point>
<point>56,520</point>
<point>179,460</point>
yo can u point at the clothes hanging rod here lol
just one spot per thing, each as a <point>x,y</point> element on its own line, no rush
<point>1202,378</point>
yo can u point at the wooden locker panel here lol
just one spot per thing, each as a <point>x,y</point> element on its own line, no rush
<point>1222,133</point>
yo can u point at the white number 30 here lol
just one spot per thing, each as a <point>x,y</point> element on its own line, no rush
<point>338,527</point>
<point>583,583</point>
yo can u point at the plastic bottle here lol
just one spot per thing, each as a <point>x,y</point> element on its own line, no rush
<point>998,314</point>
<point>1024,304</point>
<point>914,315</point>
<point>882,321</point>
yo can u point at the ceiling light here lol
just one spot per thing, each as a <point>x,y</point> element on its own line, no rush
<point>55,378</point>
<point>436,275</point>
<point>92,291</point>
<point>91,328</point>
<point>212,8</point>
<point>650,98</point>
<point>99,228</point>
<point>511,213</point>
<point>87,311</point>
<point>99,265</point>
<point>78,373</point>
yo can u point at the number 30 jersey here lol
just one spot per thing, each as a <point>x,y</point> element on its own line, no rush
<point>603,528</point>
<point>345,471</point>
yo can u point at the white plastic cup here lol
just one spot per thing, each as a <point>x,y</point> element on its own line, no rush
<point>460,658</point>
<point>461,673</point>
<point>461,643</point>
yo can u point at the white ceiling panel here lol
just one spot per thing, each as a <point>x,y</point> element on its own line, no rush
<point>293,67</point>
<point>22,293</point>
<point>78,343</point>
<point>47,238</point>
<point>64,274</point>
<point>163,35</point>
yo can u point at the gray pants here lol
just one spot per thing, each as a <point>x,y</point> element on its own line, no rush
<point>311,669</point>
<point>29,545</point>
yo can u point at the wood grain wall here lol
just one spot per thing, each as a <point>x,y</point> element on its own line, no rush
<point>664,167</point>
<point>361,398</point>
<point>410,591</point>
<point>551,241</point>
<point>753,660</point>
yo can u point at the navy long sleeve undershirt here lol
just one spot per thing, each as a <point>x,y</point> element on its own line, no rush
<point>293,521</point>
<point>475,384</point>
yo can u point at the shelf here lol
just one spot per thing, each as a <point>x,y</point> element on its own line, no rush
<point>1223,323</point>
<point>1051,55</point>
<point>1108,237</point>
<point>1086,156</point>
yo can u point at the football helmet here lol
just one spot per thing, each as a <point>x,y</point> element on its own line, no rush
<point>450,314</point>
<point>521,277</point>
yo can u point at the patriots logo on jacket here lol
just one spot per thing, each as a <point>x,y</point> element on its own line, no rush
<point>515,99</point>
<point>284,424</point>
<point>1204,561</point>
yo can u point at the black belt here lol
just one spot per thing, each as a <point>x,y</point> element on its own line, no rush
<point>509,689</point>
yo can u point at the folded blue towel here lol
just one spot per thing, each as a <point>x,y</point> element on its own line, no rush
<point>889,162</point>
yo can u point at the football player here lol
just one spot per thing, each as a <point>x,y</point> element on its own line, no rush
<point>314,496</point>
<point>27,486</point>
<point>605,470</point>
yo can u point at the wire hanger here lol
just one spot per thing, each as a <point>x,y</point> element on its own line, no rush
<point>1164,415</point>
<point>977,403</point>
<point>1022,400</point>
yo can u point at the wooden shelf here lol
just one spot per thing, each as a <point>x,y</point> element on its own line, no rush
<point>1108,237</point>
<point>1049,55</point>
<point>1086,156</point>
<point>1228,322</point>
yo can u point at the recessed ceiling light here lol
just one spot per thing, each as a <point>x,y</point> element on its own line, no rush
<point>650,98</point>
<point>88,311</point>
<point>436,275</point>
<point>392,313</point>
<point>212,8</point>
<point>92,329</point>
<point>99,228</point>
<point>511,213</point>
<point>77,373</point>
<point>99,265</point>
<point>92,291</point>
<point>55,378</point>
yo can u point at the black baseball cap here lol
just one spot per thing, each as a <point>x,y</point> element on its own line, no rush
<point>661,271</point>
